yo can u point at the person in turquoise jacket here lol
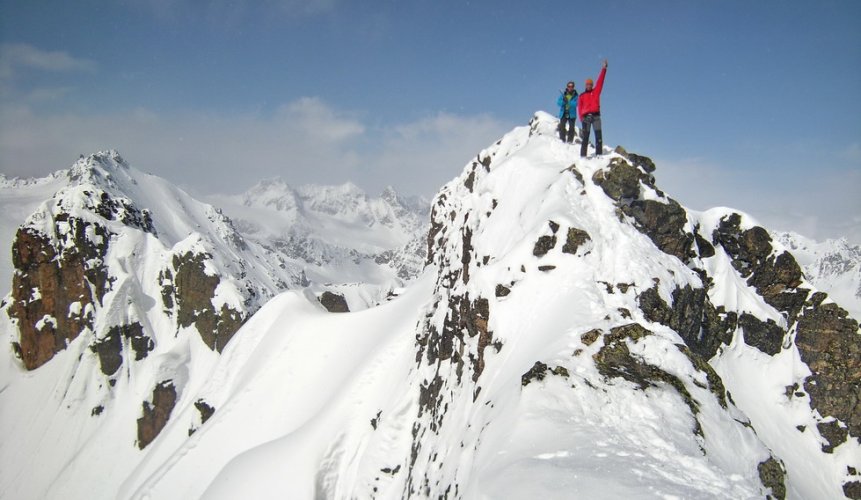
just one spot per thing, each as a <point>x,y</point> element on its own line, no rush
<point>567,103</point>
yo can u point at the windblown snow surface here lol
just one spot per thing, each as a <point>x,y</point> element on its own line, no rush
<point>517,403</point>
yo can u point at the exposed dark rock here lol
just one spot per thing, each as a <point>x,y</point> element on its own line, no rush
<point>334,302</point>
<point>591,336</point>
<point>537,372</point>
<point>614,360</point>
<point>704,248</point>
<point>194,292</point>
<point>466,255</point>
<point>168,290</point>
<point>470,179</point>
<point>435,227</point>
<point>502,290</point>
<point>110,351</point>
<point>766,336</point>
<point>544,245</point>
<point>546,268</point>
<point>109,348</point>
<point>638,161</point>
<point>141,344</point>
<point>122,210</point>
<point>829,343</point>
<point>575,239</point>
<point>621,180</point>
<point>775,278</point>
<point>852,489</point>
<point>156,413</point>
<point>97,411</point>
<point>205,410</point>
<point>391,471</point>
<point>715,383</point>
<point>833,433</point>
<point>69,278</point>
<point>429,397</point>
<point>464,317</point>
<point>664,224</point>
<point>772,476</point>
<point>577,174</point>
<point>702,326</point>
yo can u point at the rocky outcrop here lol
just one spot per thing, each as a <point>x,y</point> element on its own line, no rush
<point>110,348</point>
<point>156,413</point>
<point>663,222</point>
<point>192,291</point>
<point>334,302</point>
<point>574,239</point>
<point>828,340</point>
<point>702,326</point>
<point>777,278</point>
<point>614,360</point>
<point>830,344</point>
<point>771,474</point>
<point>57,283</point>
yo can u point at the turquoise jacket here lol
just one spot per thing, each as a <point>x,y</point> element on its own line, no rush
<point>568,101</point>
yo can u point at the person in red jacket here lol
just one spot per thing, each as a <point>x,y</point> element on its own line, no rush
<point>589,110</point>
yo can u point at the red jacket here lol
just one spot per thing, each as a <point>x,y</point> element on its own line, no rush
<point>590,100</point>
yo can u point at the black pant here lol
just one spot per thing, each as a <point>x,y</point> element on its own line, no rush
<point>567,136</point>
<point>592,119</point>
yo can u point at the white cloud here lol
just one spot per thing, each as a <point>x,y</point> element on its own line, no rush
<point>16,57</point>
<point>433,150</point>
<point>819,203</point>
<point>305,141</point>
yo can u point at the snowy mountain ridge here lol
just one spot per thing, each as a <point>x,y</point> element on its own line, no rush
<point>339,228</point>
<point>118,278</point>
<point>834,266</point>
<point>576,333</point>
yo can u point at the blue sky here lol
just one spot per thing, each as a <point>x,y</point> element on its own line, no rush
<point>753,105</point>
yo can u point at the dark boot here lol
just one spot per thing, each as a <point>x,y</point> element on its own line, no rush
<point>571,132</point>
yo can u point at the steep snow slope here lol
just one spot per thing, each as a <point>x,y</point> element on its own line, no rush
<point>557,347</point>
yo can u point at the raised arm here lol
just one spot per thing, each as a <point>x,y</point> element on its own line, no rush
<point>599,85</point>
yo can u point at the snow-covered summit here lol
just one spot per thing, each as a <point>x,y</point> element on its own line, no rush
<point>577,333</point>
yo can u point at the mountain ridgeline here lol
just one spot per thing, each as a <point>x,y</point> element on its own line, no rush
<point>568,330</point>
